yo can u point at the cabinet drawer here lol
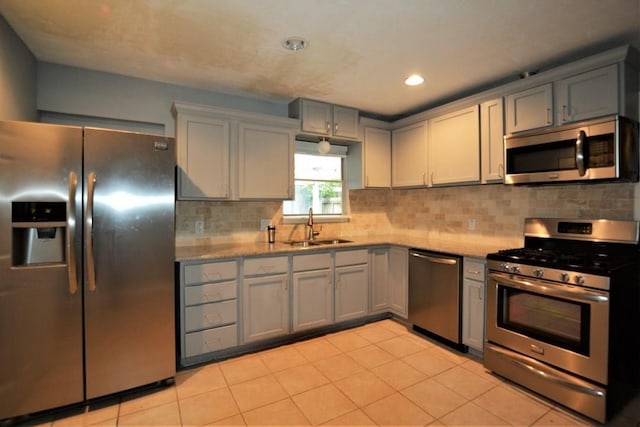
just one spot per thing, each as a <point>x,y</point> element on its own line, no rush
<point>268,265</point>
<point>210,340</point>
<point>473,269</point>
<point>210,315</point>
<point>311,262</point>
<point>209,272</point>
<point>359,256</point>
<point>210,292</point>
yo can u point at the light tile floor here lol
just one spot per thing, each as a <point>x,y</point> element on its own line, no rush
<point>377,374</point>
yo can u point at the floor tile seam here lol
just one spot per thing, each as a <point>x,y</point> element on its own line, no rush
<point>435,378</point>
<point>391,385</point>
<point>506,422</point>
<point>419,406</point>
<point>527,394</point>
<point>497,415</point>
<point>179,410</point>
<point>214,420</point>
<point>329,381</point>
<point>541,417</point>
<point>393,390</point>
<point>203,392</point>
<point>296,405</point>
<point>152,391</point>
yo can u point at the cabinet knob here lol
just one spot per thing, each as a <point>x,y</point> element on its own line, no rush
<point>328,127</point>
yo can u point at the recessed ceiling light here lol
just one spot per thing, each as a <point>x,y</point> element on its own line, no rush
<point>295,43</point>
<point>414,80</point>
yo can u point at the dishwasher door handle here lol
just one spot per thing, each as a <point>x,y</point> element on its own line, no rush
<point>438,260</point>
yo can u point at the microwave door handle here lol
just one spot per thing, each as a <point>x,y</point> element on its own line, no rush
<point>580,141</point>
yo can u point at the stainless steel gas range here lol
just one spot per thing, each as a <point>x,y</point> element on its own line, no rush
<point>563,313</point>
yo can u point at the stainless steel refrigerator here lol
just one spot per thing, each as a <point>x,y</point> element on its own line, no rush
<point>86,264</point>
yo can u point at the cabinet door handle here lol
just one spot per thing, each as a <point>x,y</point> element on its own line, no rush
<point>501,171</point>
<point>216,295</point>
<point>328,127</point>
<point>212,276</point>
<point>549,116</point>
<point>210,317</point>
<point>564,113</point>
<point>335,128</point>
<point>480,296</point>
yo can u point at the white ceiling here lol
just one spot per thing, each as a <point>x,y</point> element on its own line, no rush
<point>359,51</point>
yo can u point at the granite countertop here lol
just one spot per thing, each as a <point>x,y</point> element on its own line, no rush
<point>466,245</point>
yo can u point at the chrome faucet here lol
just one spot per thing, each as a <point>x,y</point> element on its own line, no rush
<point>310,233</point>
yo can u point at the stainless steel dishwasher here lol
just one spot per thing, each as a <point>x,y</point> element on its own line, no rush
<point>435,296</point>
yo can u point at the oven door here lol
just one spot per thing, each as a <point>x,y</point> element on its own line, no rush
<point>563,325</point>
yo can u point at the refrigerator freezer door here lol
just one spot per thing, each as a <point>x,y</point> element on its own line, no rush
<point>129,225</point>
<point>40,305</point>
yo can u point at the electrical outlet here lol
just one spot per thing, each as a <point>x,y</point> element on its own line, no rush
<point>199,227</point>
<point>264,223</point>
<point>472,224</point>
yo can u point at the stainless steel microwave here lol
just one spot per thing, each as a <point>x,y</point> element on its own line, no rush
<point>599,149</point>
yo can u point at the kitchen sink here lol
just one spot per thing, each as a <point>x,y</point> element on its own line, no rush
<point>331,241</point>
<point>302,243</point>
<point>306,243</point>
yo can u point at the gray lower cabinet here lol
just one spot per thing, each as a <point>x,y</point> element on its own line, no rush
<point>231,302</point>
<point>389,280</point>
<point>352,284</point>
<point>398,278</point>
<point>379,280</point>
<point>265,299</point>
<point>312,292</point>
<point>473,303</point>
<point>208,308</point>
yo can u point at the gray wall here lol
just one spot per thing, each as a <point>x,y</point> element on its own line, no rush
<point>17,77</point>
<point>74,91</point>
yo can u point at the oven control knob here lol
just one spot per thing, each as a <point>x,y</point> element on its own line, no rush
<point>564,277</point>
<point>538,272</point>
<point>505,267</point>
<point>579,280</point>
<point>515,269</point>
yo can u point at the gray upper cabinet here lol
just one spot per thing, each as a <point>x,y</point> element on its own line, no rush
<point>409,156</point>
<point>491,141</point>
<point>222,154</point>
<point>587,95</point>
<point>322,119</point>
<point>203,156</point>
<point>454,147</point>
<point>529,109</point>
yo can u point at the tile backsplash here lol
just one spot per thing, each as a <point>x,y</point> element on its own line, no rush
<point>484,211</point>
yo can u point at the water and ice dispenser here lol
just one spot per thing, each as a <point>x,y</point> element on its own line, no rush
<point>38,232</point>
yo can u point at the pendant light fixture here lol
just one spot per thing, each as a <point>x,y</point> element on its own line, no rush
<point>323,146</point>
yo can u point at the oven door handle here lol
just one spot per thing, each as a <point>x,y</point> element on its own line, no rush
<point>541,370</point>
<point>547,288</point>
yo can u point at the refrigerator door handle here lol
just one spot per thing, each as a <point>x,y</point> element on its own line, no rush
<point>71,234</point>
<point>88,232</point>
